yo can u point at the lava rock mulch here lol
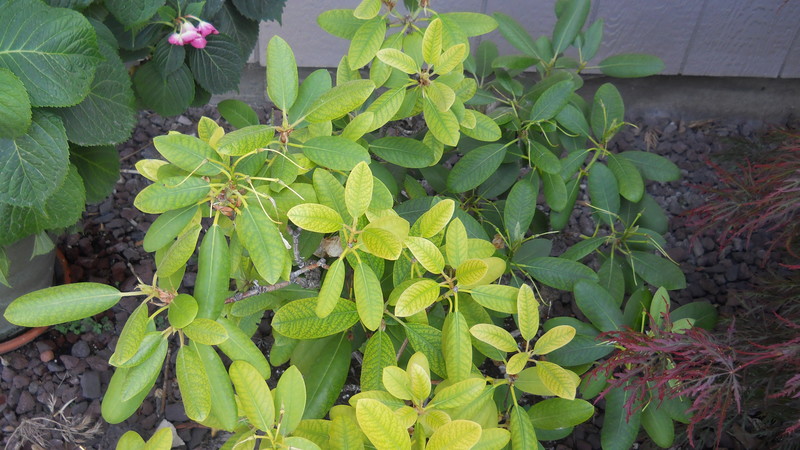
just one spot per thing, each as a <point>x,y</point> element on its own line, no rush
<point>50,390</point>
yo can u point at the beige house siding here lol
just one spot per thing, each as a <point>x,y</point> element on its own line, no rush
<point>735,38</point>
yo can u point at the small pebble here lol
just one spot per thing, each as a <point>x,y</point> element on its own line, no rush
<point>46,355</point>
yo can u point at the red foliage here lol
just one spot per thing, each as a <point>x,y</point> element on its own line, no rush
<point>697,365</point>
<point>762,196</point>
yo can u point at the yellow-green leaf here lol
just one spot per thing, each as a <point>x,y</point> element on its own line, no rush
<point>239,347</point>
<point>560,381</point>
<point>443,124</point>
<point>381,426</point>
<point>189,153</point>
<point>456,248</point>
<point>358,190</point>
<point>432,42</point>
<point>298,319</point>
<point>485,128</point>
<point>450,59</point>
<point>340,100</point>
<point>141,376</point>
<point>367,9</point>
<point>290,399</point>
<point>344,433</point>
<point>522,433</point>
<point>397,382</point>
<point>315,217</point>
<point>455,435</point>
<point>282,76</point>
<point>182,310</point>
<point>426,253</point>
<point>59,304</point>
<point>494,336</point>
<point>398,60</point>
<point>131,441</point>
<point>417,297</point>
<point>179,252</point>
<point>130,339</point>
<point>386,106</point>
<point>527,312</point>
<point>493,439</point>
<point>432,221</point>
<point>255,397</point>
<point>456,346</point>
<point>369,296</point>
<point>517,363</point>
<point>171,193</point>
<point>382,243</point>
<point>160,440</point>
<point>263,241</point>
<point>360,125</point>
<point>366,42</point>
<point>554,339</point>
<point>420,377</point>
<point>193,384</point>
<point>206,331</point>
<point>470,271</point>
<point>440,95</point>
<point>458,394</point>
<point>331,289</point>
<point>379,353</point>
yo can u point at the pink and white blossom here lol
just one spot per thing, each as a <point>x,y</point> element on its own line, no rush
<point>205,28</point>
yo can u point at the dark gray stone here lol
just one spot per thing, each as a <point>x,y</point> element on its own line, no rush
<point>90,385</point>
<point>81,349</point>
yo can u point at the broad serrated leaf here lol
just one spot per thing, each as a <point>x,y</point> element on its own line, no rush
<point>60,304</point>
<point>15,106</point>
<point>475,167</point>
<point>254,395</point>
<point>218,66</point>
<point>263,241</point>
<point>167,96</point>
<point>193,384</point>
<point>298,319</point>
<point>98,167</point>
<point>282,75</point>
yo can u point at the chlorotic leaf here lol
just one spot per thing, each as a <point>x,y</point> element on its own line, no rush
<point>59,304</point>
<point>254,395</point>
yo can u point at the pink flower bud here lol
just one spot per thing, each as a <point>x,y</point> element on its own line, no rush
<point>175,39</point>
<point>198,42</point>
<point>206,28</point>
<point>189,33</point>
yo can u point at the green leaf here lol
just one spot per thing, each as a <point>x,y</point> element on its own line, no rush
<point>497,297</point>
<point>403,151</point>
<point>366,42</point>
<point>417,297</point>
<point>516,35</point>
<point>298,319</point>
<point>551,101</point>
<point>282,78</point>
<point>369,296</point>
<point>458,434</point>
<point>325,364</point>
<point>290,399</point>
<point>604,193</point>
<point>15,106</point>
<point>358,190</point>
<point>340,22</point>
<point>495,336</point>
<point>432,42</point>
<point>331,290</point>
<point>335,152</point>
<point>254,395</point>
<point>53,51</point>
<point>628,178</point>
<point>33,165</point>
<point>657,271</point>
<point>456,244</point>
<point>367,9</point>
<point>703,313</point>
<point>658,424</point>
<point>619,431</point>
<point>426,253</point>
<point>171,193</point>
<point>598,305</point>
<point>107,114</point>
<point>339,101</point>
<point>141,376</point>
<point>167,227</point>
<point>218,66</point>
<point>189,153</point>
<point>213,269</point>
<point>131,337</point>
<point>522,432</point>
<point>223,413</point>
<point>471,23</point>
<point>263,241</point>
<point>485,129</point>
<point>456,346</point>
<point>193,384</point>
<point>130,441</point>
<point>179,252</point>
<point>519,210</point>
<point>608,111</point>
<point>631,65</point>
<point>555,191</point>
<point>60,304</point>
<point>316,218</point>
<point>443,124</point>
<point>571,118</point>
<point>206,332</point>
<point>237,113</point>
<point>167,96</point>
<point>652,166</point>
<point>239,347</point>
<point>428,340</point>
<point>381,426</point>
<point>182,310</point>
<point>246,140</point>
<point>527,312</point>
<point>133,14</point>
<point>569,24</point>
<point>475,167</point>
<point>379,353</point>
<point>168,58</point>
<point>558,273</point>
<point>99,169</point>
<point>555,413</point>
